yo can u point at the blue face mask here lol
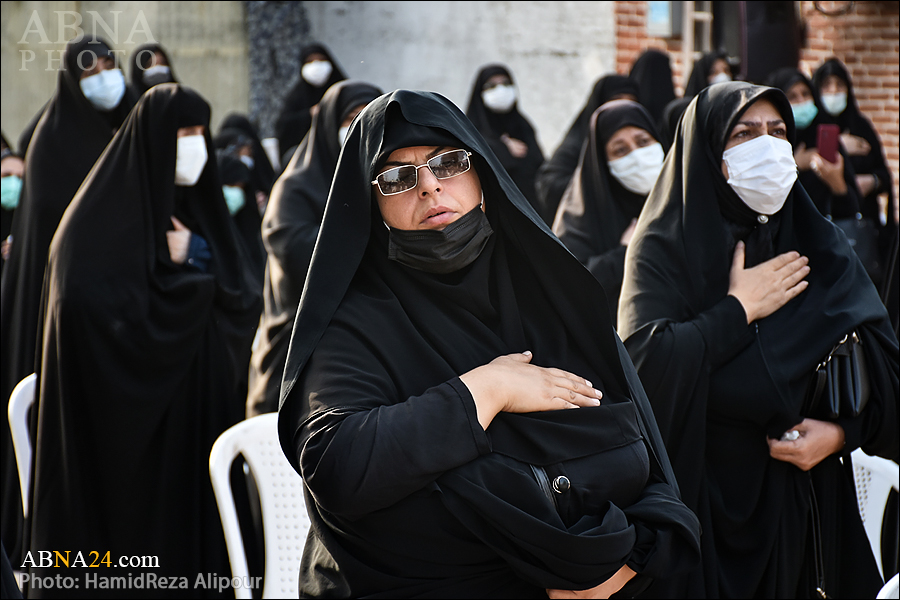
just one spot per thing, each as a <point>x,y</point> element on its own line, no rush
<point>234,198</point>
<point>804,113</point>
<point>10,190</point>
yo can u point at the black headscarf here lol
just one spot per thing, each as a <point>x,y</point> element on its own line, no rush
<point>825,200</point>
<point>719,387</point>
<point>554,175</point>
<point>69,136</point>
<point>699,77</point>
<point>295,118</point>
<point>493,125</point>
<point>854,122</point>
<point>263,172</point>
<point>140,61</point>
<point>289,229</point>
<point>371,391</point>
<point>142,358</point>
<point>596,209</point>
<point>652,72</point>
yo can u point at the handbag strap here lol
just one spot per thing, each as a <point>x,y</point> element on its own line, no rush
<point>818,561</point>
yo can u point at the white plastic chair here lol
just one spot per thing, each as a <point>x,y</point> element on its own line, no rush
<point>20,401</point>
<point>875,477</point>
<point>891,589</point>
<point>284,516</point>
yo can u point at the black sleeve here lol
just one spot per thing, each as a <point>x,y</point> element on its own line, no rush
<point>291,239</point>
<point>363,448</point>
<point>875,429</point>
<point>609,269</point>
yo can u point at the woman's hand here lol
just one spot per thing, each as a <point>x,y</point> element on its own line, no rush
<point>768,286</point>
<point>818,440</point>
<point>511,384</point>
<point>628,233</point>
<point>803,157</point>
<point>866,184</point>
<point>855,145</point>
<point>831,173</point>
<point>179,242</point>
<point>517,148</point>
<point>604,590</point>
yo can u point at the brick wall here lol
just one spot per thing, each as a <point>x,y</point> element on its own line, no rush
<point>632,40</point>
<point>865,39</point>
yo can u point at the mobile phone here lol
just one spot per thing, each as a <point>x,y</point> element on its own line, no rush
<point>827,140</point>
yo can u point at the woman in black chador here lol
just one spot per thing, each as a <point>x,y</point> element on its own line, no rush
<point>318,71</point>
<point>150,66</point>
<point>597,215</point>
<point>74,127</point>
<point>149,312</point>
<point>289,229</point>
<point>494,110</point>
<point>863,146</point>
<point>441,327</point>
<point>735,288</point>
<point>554,175</point>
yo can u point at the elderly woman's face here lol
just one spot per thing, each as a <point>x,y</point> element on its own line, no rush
<point>762,118</point>
<point>433,203</point>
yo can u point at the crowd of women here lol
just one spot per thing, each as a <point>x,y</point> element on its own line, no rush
<point>420,292</point>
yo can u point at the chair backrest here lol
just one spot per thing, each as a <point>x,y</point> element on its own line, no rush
<point>284,516</point>
<point>875,477</point>
<point>20,400</point>
<point>891,589</point>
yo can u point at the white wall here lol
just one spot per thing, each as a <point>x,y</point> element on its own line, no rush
<point>555,50</point>
<point>206,41</point>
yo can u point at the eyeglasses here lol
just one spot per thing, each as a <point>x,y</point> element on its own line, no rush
<point>443,166</point>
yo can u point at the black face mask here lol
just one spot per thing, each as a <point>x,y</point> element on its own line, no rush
<point>445,251</point>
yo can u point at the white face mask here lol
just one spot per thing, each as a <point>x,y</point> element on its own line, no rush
<point>190,158</point>
<point>105,89</point>
<point>638,170</point>
<point>342,134</point>
<point>834,104</point>
<point>762,172</point>
<point>316,73</point>
<point>500,98</point>
<point>157,74</point>
<point>247,160</point>
<point>720,78</point>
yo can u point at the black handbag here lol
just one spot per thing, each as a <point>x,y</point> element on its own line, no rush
<point>840,385</point>
<point>863,238</point>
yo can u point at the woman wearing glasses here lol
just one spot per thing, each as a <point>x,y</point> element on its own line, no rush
<point>442,332</point>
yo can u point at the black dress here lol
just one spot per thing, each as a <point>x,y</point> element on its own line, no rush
<point>719,387</point>
<point>556,172</point>
<point>141,359</point>
<point>408,495</point>
<point>493,125</point>
<point>596,209</point>
<point>69,136</point>
<point>289,229</point>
